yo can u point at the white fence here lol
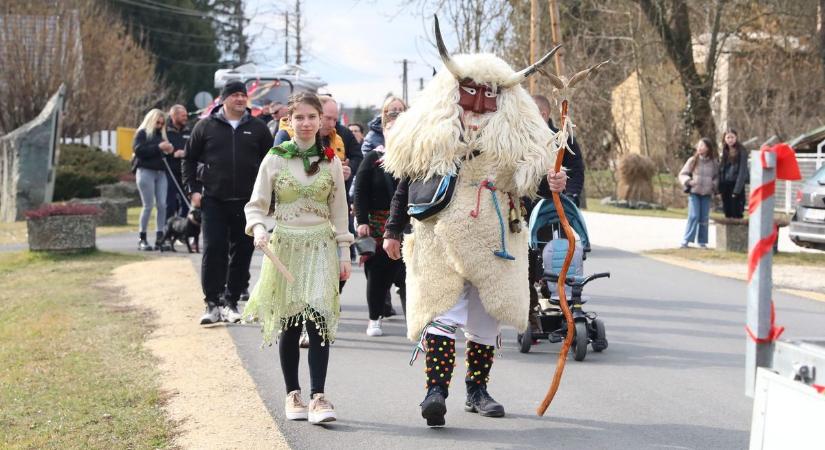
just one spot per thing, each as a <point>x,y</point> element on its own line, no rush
<point>105,140</point>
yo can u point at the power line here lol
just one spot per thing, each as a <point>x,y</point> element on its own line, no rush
<point>165,9</point>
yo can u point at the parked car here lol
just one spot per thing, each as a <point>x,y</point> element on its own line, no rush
<point>808,222</point>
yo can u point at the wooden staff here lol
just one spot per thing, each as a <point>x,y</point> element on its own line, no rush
<point>568,258</point>
<point>278,264</point>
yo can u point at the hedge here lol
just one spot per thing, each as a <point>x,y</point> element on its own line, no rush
<point>82,168</point>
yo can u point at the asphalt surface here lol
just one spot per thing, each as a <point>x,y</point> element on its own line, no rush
<point>672,377</point>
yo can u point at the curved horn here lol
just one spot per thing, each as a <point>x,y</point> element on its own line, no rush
<point>585,74</point>
<point>442,50</point>
<point>518,77</point>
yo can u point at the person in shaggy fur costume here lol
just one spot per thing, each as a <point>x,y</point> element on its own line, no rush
<point>466,265</point>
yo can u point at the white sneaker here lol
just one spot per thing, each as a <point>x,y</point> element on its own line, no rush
<point>294,406</point>
<point>321,410</point>
<point>374,328</point>
<point>230,314</point>
<point>211,315</point>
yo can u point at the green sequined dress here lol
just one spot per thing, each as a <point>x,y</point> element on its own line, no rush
<point>309,252</point>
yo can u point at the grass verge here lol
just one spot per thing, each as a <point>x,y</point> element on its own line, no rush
<point>16,233</point>
<point>74,373</point>
<point>711,255</point>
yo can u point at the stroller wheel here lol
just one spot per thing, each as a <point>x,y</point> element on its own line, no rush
<point>580,341</point>
<point>600,339</point>
<point>525,341</point>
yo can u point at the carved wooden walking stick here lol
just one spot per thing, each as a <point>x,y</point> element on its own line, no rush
<point>562,85</point>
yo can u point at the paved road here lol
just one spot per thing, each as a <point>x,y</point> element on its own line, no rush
<point>672,377</point>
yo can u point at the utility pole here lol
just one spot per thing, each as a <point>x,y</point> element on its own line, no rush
<point>243,48</point>
<point>534,12</point>
<point>298,32</point>
<point>404,63</point>
<point>421,84</point>
<point>286,37</point>
<point>555,31</point>
<point>404,81</point>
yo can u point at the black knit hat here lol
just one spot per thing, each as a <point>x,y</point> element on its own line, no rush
<point>231,88</point>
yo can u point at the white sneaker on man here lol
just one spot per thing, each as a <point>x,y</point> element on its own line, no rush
<point>230,314</point>
<point>320,410</point>
<point>374,328</point>
<point>294,406</point>
<point>211,315</point>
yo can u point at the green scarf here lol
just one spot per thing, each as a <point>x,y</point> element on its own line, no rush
<point>289,149</point>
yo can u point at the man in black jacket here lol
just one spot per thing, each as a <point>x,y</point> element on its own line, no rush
<point>229,146</point>
<point>178,133</point>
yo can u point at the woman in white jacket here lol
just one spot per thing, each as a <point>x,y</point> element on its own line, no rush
<point>700,177</point>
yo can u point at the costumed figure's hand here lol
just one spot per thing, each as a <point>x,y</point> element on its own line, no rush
<point>393,248</point>
<point>363,230</point>
<point>180,153</point>
<point>260,236</point>
<point>346,168</point>
<point>346,269</point>
<point>556,180</point>
<point>196,199</point>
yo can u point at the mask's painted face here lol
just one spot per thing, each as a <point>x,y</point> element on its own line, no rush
<point>477,98</point>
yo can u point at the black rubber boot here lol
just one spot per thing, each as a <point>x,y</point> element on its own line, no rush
<point>143,245</point>
<point>479,362</point>
<point>160,244</point>
<point>440,363</point>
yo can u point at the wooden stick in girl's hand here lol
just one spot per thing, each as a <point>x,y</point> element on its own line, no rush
<point>278,264</point>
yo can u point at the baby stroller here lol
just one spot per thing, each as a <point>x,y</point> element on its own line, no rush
<point>547,252</point>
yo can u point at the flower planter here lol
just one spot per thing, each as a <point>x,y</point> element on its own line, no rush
<point>56,228</point>
<point>113,210</point>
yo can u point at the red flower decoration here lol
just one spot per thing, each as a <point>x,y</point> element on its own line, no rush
<point>329,153</point>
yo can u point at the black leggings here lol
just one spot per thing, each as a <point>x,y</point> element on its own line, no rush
<point>381,272</point>
<point>734,207</point>
<point>290,355</point>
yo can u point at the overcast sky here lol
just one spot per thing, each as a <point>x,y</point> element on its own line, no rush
<point>355,45</point>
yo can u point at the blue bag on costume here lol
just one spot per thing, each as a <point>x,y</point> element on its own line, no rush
<point>427,198</point>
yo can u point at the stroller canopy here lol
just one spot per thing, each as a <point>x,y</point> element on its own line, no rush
<point>544,214</point>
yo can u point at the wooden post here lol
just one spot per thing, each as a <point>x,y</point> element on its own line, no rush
<point>759,354</point>
<point>556,35</point>
<point>534,13</point>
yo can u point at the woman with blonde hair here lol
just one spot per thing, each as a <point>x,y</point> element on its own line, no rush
<point>149,148</point>
<point>392,108</point>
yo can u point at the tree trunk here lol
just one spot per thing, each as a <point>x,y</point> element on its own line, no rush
<point>676,37</point>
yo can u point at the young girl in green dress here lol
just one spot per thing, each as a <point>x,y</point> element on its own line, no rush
<point>301,184</point>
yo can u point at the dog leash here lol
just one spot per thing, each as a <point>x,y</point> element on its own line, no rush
<point>175,180</point>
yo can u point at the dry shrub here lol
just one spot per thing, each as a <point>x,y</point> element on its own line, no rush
<point>636,178</point>
<point>110,79</point>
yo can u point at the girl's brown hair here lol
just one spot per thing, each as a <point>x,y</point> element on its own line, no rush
<point>312,100</point>
<point>711,152</point>
<point>731,154</point>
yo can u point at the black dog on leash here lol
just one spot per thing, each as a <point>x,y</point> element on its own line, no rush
<point>183,228</point>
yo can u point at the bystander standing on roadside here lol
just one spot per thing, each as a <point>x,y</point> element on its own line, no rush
<point>229,146</point>
<point>178,133</point>
<point>700,178</point>
<point>392,107</point>
<point>150,146</point>
<point>733,175</point>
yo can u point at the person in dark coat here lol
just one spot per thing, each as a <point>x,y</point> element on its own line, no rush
<point>390,110</point>
<point>574,163</point>
<point>178,133</point>
<point>733,175</point>
<point>150,147</point>
<point>229,146</point>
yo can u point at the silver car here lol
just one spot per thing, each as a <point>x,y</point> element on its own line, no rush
<point>808,223</point>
